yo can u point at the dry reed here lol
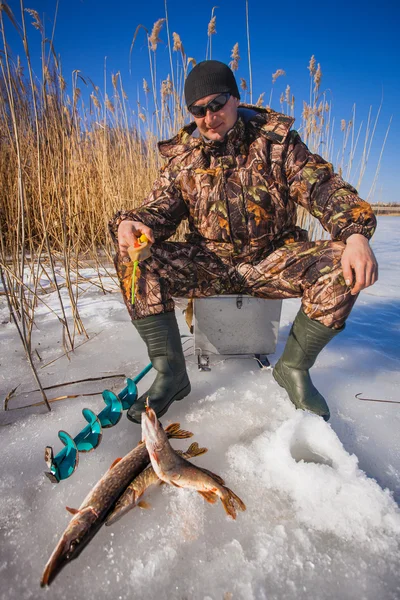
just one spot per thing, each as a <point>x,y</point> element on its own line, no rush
<point>211,30</point>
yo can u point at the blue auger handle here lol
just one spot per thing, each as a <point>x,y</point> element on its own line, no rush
<point>130,393</point>
<point>66,461</point>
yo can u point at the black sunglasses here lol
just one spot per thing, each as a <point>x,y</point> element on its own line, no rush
<point>200,111</point>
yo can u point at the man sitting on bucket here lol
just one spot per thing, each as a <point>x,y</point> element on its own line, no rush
<point>238,174</point>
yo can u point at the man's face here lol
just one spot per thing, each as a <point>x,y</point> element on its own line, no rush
<point>215,126</point>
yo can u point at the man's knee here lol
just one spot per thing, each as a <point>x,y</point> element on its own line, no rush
<point>333,251</point>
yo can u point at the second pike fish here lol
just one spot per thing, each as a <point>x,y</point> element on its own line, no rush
<point>92,513</point>
<point>133,494</point>
<point>176,470</point>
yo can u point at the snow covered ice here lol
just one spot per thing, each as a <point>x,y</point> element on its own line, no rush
<point>322,519</point>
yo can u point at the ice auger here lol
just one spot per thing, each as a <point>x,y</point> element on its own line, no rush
<point>66,461</point>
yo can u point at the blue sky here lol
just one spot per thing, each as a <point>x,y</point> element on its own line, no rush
<point>357,44</point>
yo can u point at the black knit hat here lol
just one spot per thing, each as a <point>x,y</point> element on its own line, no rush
<point>209,77</point>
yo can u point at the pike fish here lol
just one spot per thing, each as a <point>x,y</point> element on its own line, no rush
<point>176,470</point>
<point>133,494</point>
<point>91,514</point>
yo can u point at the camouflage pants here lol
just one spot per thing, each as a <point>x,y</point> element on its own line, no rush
<point>310,270</point>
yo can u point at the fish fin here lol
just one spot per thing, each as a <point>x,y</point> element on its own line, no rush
<point>170,429</point>
<point>216,478</point>
<point>209,496</point>
<point>174,431</point>
<point>175,484</point>
<point>143,504</point>
<point>231,503</point>
<point>116,461</point>
<point>194,450</point>
<point>73,511</point>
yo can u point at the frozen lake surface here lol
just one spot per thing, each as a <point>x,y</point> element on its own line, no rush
<point>322,519</point>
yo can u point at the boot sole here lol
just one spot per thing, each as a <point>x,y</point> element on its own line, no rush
<point>179,396</point>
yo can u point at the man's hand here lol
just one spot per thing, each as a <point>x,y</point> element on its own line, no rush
<point>128,232</point>
<point>360,268</point>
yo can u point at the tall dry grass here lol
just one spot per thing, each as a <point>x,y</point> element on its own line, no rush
<point>72,155</point>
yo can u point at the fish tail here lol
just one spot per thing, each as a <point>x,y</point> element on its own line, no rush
<point>231,502</point>
<point>194,450</point>
<point>174,431</point>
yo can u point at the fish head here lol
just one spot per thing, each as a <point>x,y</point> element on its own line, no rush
<point>73,541</point>
<point>152,432</point>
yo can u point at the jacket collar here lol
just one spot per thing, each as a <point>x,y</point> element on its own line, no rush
<point>272,125</point>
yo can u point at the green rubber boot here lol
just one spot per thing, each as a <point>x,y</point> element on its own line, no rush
<point>306,340</point>
<point>161,336</point>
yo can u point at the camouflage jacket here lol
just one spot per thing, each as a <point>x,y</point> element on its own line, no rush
<point>240,195</point>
